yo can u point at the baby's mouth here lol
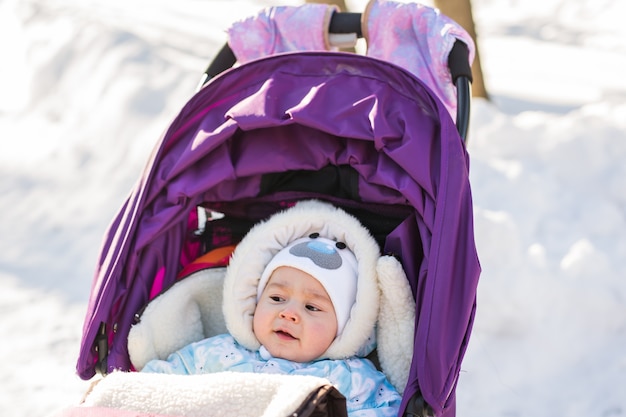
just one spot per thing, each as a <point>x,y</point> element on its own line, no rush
<point>284,335</point>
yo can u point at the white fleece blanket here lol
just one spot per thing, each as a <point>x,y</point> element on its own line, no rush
<point>224,394</point>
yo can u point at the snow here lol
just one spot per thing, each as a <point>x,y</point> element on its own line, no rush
<point>87,87</point>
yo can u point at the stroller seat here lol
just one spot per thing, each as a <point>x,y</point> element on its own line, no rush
<point>191,310</point>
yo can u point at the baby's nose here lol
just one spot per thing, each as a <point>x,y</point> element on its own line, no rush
<point>290,314</point>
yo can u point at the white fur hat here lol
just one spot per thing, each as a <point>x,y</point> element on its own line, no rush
<point>266,239</point>
<point>328,261</point>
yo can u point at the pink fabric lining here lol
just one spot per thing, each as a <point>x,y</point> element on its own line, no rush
<point>157,284</point>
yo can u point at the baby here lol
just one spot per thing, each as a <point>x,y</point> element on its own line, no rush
<point>298,316</point>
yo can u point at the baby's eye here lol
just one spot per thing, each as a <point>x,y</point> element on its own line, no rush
<point>276,298</point>
<point>312,308</point>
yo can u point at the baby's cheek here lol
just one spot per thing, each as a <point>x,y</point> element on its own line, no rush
<point>326,331</point>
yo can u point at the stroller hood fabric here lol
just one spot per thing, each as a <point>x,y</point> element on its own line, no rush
<point>296,112</point>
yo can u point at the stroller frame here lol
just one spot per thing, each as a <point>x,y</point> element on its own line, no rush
<point>340,23</point>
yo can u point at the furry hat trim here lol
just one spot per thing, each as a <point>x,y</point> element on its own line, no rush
<point>266,239</point>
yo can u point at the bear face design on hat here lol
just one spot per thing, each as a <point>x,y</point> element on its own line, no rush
<point>329,262</point>
<point>285,239</point>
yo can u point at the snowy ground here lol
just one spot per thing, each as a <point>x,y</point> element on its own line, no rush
<point>87,87</point>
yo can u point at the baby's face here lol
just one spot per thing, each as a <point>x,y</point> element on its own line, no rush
<point>294,318</point>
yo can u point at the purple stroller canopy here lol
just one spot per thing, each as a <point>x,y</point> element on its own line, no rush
<point>306,111</point>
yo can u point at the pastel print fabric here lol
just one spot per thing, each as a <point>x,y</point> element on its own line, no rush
<point>276,30</point>
<point>368,392</point>
<point>417,38</point>
<point>413,36</point>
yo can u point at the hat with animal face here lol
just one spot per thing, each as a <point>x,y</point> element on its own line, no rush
<point>325,242</point>
<point>328,261</point>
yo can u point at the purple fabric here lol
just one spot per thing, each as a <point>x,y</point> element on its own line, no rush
<point>304,111</point>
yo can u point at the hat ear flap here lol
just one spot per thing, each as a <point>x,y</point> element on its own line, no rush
<point>396,322</point>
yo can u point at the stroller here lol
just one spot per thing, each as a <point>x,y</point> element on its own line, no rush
<point>362,133</point>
